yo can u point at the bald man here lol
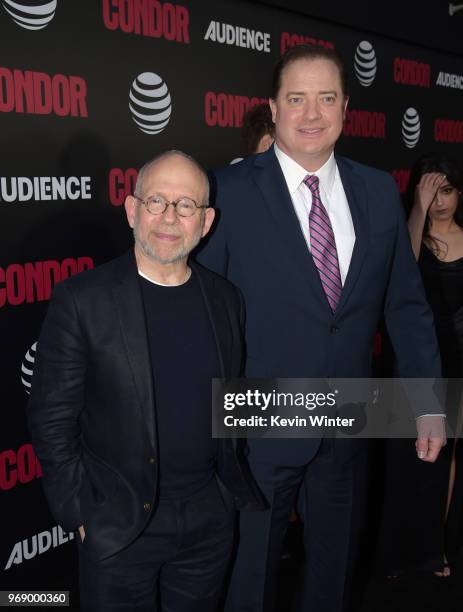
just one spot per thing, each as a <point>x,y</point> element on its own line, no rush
<point>120,410</point>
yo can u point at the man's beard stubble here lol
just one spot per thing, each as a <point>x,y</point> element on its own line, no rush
<point>151,254</point>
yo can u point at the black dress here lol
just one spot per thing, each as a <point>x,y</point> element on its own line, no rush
<point>443,282</point>
<point>415,535</point>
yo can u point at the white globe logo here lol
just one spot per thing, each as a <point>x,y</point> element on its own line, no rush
<point>27,368</point>
<point>32,15</point>
<point>365,63</point>
<point>150,103</point>
<point>411,128</point>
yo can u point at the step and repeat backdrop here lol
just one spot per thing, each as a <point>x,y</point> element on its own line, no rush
<point>89,91</point>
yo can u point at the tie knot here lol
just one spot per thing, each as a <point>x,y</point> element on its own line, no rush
<point>312,182</point>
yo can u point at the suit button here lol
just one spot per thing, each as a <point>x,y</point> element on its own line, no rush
<point>152,460</point>
<point>334,329</point>
<point>146,506</point>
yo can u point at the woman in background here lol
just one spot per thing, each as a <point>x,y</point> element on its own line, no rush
<point>424,502</point>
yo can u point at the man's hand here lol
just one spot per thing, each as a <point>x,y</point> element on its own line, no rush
<point>431,436</point>
<point>82,533</point>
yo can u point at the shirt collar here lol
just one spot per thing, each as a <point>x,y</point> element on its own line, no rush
<point>294,173</point>
<point>151,280</point>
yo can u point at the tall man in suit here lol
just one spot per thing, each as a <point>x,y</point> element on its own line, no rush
<point>319,247</point>
<point>120,410</point>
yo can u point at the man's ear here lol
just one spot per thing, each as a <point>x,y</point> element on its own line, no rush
<point>130,206</point>
<point>346,100</point>
<point>273,108</point>
<point>209,216</point>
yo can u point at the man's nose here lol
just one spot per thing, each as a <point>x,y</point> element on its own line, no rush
<point>170,214</point>
<point>312,110</point>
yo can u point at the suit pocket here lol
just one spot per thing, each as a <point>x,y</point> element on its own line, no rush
<point>101,479</point>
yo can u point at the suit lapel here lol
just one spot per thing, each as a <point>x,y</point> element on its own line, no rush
<point>357,200</point>
<point>218,318</point>
<point>129,304</point>
<point>271,182</point>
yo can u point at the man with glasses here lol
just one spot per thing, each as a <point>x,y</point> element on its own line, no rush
<point>120,409</point>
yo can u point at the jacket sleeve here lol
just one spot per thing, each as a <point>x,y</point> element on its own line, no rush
<point>213,253</point>
<point>56,402</point>
<point>408,316</point>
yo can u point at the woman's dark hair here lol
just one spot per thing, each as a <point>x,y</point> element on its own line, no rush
<point>256,123</point>
<point>433,162</point>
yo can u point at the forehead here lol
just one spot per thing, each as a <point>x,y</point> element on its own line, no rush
<point>174,173</point>
<point>317,73</point>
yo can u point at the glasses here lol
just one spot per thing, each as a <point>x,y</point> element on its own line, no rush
<point>156,205</point>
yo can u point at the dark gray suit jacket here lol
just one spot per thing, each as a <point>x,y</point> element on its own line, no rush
<point>91,412</point>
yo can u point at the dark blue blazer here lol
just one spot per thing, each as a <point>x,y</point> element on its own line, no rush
<point>258,244</point>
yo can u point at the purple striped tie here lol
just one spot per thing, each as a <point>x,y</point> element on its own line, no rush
<point>323,245</point>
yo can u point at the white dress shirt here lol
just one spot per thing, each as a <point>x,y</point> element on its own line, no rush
<point>333,198</point>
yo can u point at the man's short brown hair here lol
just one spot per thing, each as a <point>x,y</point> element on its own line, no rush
<point>307,52</point>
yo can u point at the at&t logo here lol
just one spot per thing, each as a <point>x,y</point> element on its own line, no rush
<point>31,14</point>
<point>411,128</point>
<point>27,368</point>
<point>365,63</point>
<point>150,103</point>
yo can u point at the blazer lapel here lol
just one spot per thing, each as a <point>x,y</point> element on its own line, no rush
<point>129,304</point>
<point>357,200</point>
<point>271,182</point>
<point>218,317</point>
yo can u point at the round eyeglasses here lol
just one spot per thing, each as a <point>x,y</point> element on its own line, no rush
<point>157,204</point>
